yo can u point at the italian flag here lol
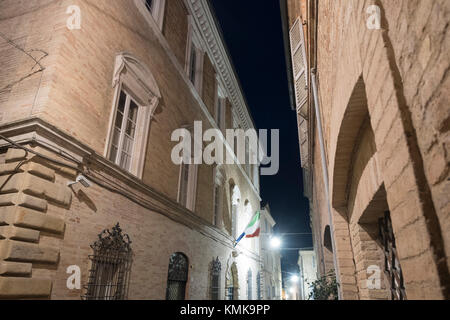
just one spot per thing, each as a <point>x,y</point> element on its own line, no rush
<point>252,230</point>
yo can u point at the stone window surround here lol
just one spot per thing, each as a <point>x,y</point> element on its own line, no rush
<point>133,77</point>
<point>194,41</point>
<point>218,187</point>
<point>157,14</point>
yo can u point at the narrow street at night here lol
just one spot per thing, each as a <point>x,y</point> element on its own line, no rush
<point>224,158</point>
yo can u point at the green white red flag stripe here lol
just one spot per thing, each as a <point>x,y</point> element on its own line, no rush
<point>252,230</point>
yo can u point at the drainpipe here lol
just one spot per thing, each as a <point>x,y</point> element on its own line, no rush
<point>325,175</point>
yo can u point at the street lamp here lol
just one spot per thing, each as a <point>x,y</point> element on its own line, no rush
<point>275,242</point>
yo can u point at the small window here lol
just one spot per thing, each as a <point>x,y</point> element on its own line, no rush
<point>194,60</point>
<point>136,99</point>
<point>216,269</point>
<point>258,286</point>
<point>152,10</point>
<point>184,183</point>
<point>149,4</point>
<point>217,201</point>
<point>220,108</point>
<point>125,125</point>
<point>187,185</point>
<point>249,285</point>
<point>177,277</point>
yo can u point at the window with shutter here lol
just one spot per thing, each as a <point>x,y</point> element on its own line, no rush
<point>299,66</point>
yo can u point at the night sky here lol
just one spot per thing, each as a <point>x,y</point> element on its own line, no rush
<point>253,35</point>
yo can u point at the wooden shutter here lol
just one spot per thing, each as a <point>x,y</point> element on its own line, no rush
<point>299,66</point>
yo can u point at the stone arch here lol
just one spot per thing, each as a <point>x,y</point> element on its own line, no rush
<point>353,119</point>
<point>327,243</point>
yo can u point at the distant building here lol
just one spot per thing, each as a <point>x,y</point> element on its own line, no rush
<point>271,260</point>
<point>308,272</point>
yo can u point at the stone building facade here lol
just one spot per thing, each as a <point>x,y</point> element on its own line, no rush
<point>90,93</point>
<point>271,282</point>
<point>375,141</point>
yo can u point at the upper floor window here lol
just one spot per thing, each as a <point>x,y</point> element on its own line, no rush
<point>218,195</point>
<point>249,285</point>
<point>124,134</point>
<point>220,107</point>
<point>194,59</point>
<point>216,269</point>
<point>152,9</point>
<point>178,277</point>
<point>136,99</point>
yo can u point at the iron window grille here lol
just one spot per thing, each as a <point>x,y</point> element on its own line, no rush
<point>216,268</point>
<point>178,277</point>
<point>392,267</point>
<point>110,266</point>
<point>258,286</point>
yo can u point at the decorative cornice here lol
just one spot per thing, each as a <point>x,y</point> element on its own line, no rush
<point>206,24</point>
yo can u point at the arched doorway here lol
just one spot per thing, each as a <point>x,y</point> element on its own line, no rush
<point>177,277</point>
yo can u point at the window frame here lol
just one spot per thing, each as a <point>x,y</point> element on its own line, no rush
<point>136,142</point>
<point>194,43</point>
<point>132,77</point>
<point>191,188</point>
<point>220,107</point>
<point>218,202</point>
<point>157,13</point>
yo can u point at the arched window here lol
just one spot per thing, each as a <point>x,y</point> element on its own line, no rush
<point>178,277</point>
<point>216,269</point>
<point>327,243</point>
<point>110,266</point>
<point>249,285</point>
